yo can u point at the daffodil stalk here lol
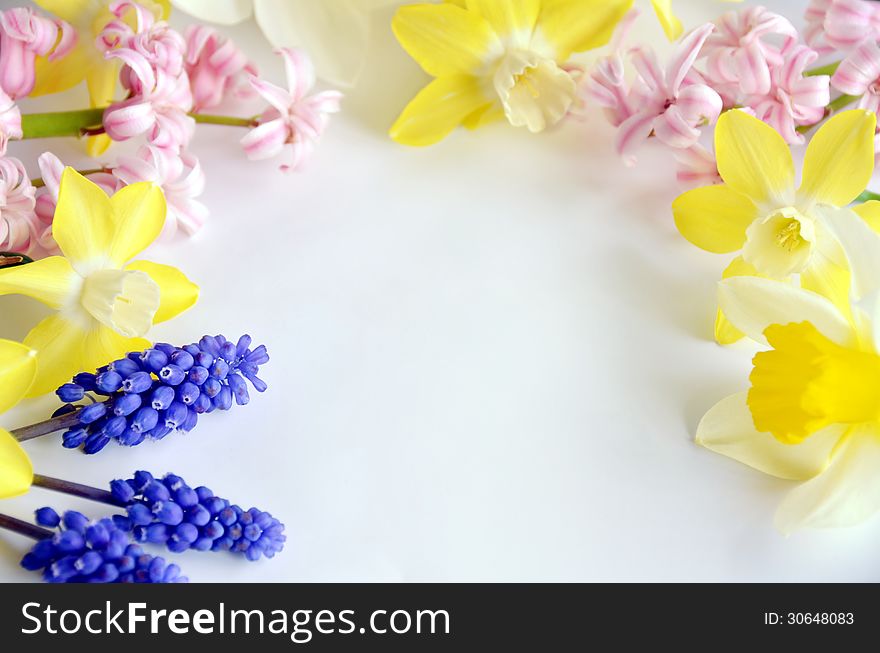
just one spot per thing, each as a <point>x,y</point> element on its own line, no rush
<point>88,122</point>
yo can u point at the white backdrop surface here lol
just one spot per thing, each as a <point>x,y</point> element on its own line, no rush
<point>489,358</point>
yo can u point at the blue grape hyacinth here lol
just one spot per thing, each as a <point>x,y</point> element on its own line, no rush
<point>84,551</point>
<point>152,393</point>
<point>169,512</point>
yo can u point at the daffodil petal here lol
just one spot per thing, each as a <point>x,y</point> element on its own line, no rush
<point>16,471</point>
<point>60,74</point>
<point>50,280</point>
<point>725,332</point>
<point>513,19</point>
<point>59,345</point>
<point>727,428</point>
<point>139,212</point>
<point>870,213</point>
<point>861,245</point>
<point>177,292</point>
<point>18,367</point>
<point>83,226</point>
<point>826,278</point>
<point>103,345</point>
<point>438,109</point>
<point>753,158</point>
<point>714,218</point>
<point>752,304</point>
<point>846,493</point>
<point>668,20</point>
<point>839,161</point>
<point>228,12</point>
<point>485,115</point>
<point>446,39</point>
<point>69,10</point>
<point>567,26</point>
<point>101,82</point>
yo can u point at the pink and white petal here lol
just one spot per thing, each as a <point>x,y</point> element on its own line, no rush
<point>699,103</point>
<point>266,140</point>
<point>274,95</point>
<point>858,70</point>
<point>128,119</point>
<point>647,66</point>
<point>138,63</point>
<point>685,55</point>
<point>50,171</point>
<point>300,71</point>
<point>632,134</point>
<point>752,71</point>
<point>674,130</point>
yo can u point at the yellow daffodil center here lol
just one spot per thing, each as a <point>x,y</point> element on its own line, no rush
<point>780,244</point>
<point>125,301</point>
<point>534,91</point>
<point>808,382</point>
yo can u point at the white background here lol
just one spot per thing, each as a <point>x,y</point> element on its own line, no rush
<point>489,358</point>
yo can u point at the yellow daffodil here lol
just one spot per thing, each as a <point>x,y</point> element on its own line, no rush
<point>18,367</point>
<point>494,59</point>
<point>813,410</point>
<point>760,212</point>
<point>668,20</point>
<point>86,61</point>
<point>104,307</point>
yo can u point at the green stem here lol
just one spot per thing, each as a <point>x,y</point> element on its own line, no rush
<point>828,69</point>
<point>867,196</point>
<point>87,122</point>
<point>37,182</point>
<point>843,101</point>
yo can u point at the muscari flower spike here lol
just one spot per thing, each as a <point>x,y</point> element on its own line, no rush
<point>169,512</point>
<point>84,551</point>
<point>152,393</point>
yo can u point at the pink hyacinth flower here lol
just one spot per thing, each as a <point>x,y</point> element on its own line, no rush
<point>51,169</point>
<point>19,224</point>
<point>216,68</point>
<point>606,84</point>
<point>669,108</point>
<point>697,167</point>
<point>10,121</point>
<point>154,75</point>
<point>794,99</point>
<point>25,35</point>
<point>859,75</point>
<point>181,179</point>
<point>841,24</point>
<point>736,52</point>
<point>295,117</point>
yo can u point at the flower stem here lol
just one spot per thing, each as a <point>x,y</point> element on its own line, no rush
<point>24,528</point>
<point>843,101</point>
<point>37,182</point>
<point>828,69</point>
<point>88,122</point>
<point>60,423</point>
<point>76,489</point>
<point>867,196</point>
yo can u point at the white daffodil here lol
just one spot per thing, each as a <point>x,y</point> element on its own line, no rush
<point>335,33</point>
<point>812,413</point>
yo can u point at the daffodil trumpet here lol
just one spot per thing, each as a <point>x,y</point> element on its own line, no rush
<point>88,122</point>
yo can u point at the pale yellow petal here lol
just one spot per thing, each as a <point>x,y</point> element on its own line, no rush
<point>839,161</point>
<point>83,225</point>
<point>446,39</point>
<point>870,213</point>
<point>828,279</point>
<point>16,471</point>
<point>60,74</point>
<point>178,293</point>
<point>567,26</point>
<point>728,429</point>
<point>845,494</point>
<point>138,214</point>
<point>18,367</point>
<point>753,158</point>
<point>59,345</point>
<point>714,218</point>
<point>752,304</point>
<point>50,280</point>
<point>725,332</point>
<point>438,109</point>
<point>668,20</point>
<point>227,12</point>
